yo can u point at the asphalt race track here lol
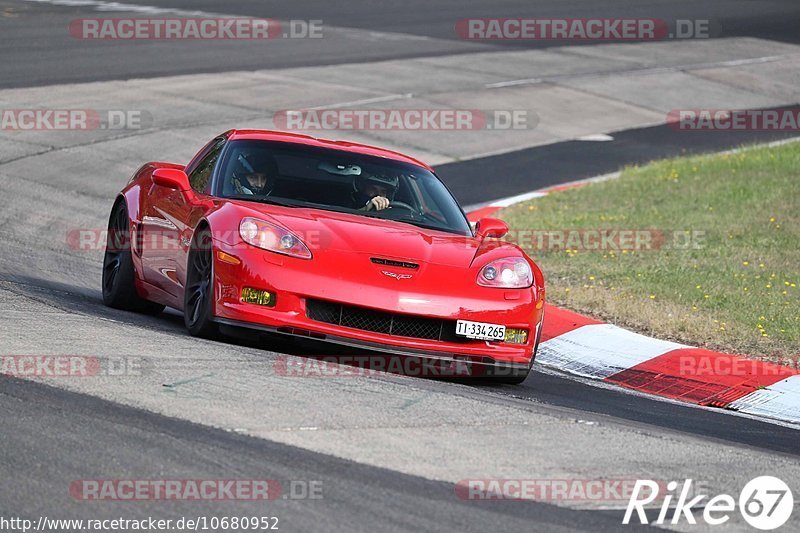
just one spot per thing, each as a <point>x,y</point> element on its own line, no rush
<point>387,450</point>
<point>355,497</point>
<point>554,164</point>
<point>36,51</point>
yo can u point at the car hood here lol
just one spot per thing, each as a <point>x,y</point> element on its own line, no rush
<point>342,232</point>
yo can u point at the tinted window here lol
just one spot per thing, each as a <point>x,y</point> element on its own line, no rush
<point>201,175</point>
<point>338,180</point>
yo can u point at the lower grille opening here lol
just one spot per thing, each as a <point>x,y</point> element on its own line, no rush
<point>350,316</point>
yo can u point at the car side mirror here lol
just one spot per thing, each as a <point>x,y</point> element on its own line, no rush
<point>490,227</point>
<point>171,178</point>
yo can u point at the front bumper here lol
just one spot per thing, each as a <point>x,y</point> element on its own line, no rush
<point>294,281</point>
<point>434,363</point>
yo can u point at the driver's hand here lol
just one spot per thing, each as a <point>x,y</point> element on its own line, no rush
<point>378,203</point>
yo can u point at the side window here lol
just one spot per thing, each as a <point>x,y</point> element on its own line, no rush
<point>201,175</point>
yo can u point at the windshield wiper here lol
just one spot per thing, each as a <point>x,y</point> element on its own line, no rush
<point>422,224</point>
<point>406,221</point>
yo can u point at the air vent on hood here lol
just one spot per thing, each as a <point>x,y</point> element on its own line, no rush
<point>393,263</point>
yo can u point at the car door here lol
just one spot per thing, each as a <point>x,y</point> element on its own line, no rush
<point>169,221</point>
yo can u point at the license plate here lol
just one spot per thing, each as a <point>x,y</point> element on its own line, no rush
<point>480,330</point>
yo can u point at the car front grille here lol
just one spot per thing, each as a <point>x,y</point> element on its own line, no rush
<point>350,316</point>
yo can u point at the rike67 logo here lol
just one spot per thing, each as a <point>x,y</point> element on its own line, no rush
<point>765,503</point>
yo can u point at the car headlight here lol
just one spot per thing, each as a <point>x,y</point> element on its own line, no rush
<point>506,273</point>
<point>267,236</point>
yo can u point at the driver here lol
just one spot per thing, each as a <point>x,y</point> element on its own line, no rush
<point>255,175</point>
<point>374,192</point>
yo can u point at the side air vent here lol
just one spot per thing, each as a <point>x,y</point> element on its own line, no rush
<point>393,263</point>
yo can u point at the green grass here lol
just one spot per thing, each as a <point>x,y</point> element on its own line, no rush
<point>736,291</point>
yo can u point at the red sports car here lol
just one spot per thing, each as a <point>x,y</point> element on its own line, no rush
<point>329,240</point>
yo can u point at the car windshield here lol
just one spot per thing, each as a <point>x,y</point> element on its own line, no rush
<point>337,180</point>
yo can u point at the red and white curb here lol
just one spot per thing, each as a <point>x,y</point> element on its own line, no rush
<point>585,347</point>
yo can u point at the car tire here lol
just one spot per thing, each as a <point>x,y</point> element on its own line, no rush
<point>119,273</point>
<point>198,298</point>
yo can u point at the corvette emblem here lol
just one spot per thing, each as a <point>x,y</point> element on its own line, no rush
<point>396,276</point>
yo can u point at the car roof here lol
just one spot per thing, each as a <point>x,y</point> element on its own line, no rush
<point>296,138</point>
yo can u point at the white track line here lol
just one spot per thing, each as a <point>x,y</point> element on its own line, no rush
<point>511,200</point>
